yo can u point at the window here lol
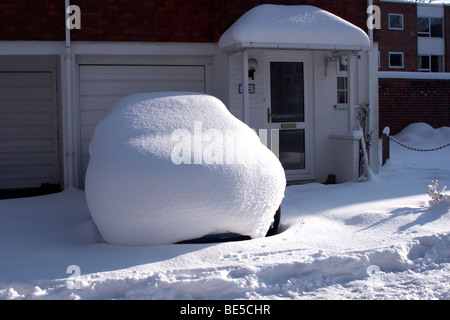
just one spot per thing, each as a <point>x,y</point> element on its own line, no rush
<point>437,27</point>
<point>423,27</point>
<point>424,64</point>
<point>342,90</point>
<point>430,27</point>
<point>395,21</point>
<point>395,59</point>
<point>437,64</point>
<point>287,92</point>
<point>342,65</point>
<point>342,85</point>
<point>431,63</point>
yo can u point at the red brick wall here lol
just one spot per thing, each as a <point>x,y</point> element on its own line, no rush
<point>398,40</point>
<point>134,20</point>
<point>144,20</point>
<point>406,101</point>
<point>32,20</point>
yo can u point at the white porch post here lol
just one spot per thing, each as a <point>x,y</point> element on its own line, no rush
<point>245,96</point>
<point>351,91</point>
<point>373,105</point>
<point>69,154</point>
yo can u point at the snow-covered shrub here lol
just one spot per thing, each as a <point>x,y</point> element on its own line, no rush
<point>433,191</point>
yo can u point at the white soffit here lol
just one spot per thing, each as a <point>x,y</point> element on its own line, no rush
<point>293,27</point>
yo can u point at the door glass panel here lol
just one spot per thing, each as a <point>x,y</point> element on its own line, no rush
<point>292,149</point>
<point>287,92</point>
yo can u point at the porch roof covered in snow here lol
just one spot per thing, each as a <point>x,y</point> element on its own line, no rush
<point>293,27</point>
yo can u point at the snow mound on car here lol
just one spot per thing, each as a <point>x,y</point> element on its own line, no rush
<point>171,166</point>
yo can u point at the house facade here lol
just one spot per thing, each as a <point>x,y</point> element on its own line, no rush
<point>304,97</point>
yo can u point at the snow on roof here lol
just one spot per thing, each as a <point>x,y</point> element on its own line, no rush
<point>293,27</point>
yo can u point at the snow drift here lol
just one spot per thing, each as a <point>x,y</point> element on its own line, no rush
<point>173,166</point>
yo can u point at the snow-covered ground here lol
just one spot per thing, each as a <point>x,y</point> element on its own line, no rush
<point>380,239</point>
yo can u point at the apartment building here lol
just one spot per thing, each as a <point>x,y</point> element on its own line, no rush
<point>414,37</point>
<point>414,64</point>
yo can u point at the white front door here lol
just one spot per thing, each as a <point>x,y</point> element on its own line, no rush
<point>288,107</point>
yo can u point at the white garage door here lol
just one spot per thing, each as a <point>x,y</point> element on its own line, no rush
<point>28,136</point>
<point>102,85</point>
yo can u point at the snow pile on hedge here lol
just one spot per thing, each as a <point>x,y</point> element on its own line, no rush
<point>173,166</point>
<point>424,136</point>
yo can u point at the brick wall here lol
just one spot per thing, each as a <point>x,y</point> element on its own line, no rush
<point>406,101</point>
<point>32,20</point>
<point>398,40</point>
<point>134,20</point>
<point>144,20</point>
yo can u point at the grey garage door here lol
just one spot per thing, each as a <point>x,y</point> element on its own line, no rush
<point>102,85</point>
<point>28,133</point>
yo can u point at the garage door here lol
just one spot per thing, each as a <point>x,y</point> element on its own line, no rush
<point>102,85</point>
<point>28,136</point>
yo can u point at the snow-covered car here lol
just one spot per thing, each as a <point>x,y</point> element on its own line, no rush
<point>174,166</point>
